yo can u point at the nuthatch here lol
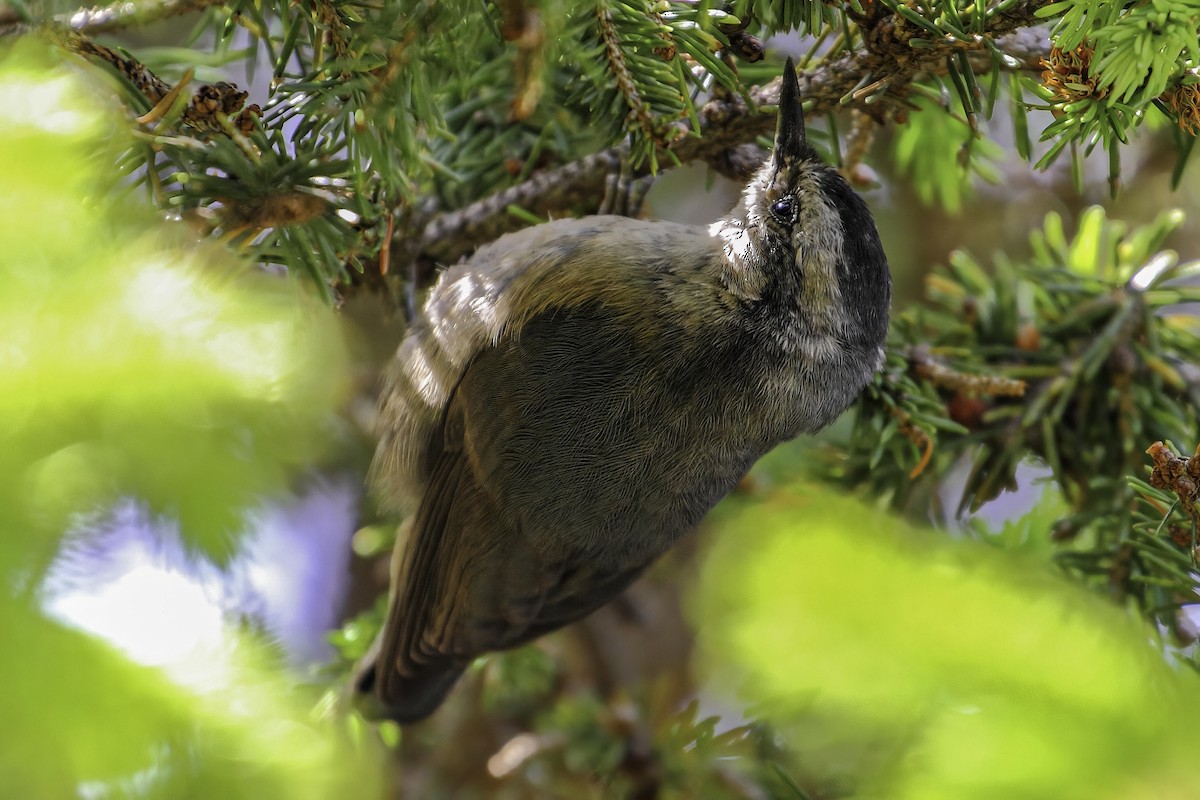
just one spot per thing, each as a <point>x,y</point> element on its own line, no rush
<point>578,395</point>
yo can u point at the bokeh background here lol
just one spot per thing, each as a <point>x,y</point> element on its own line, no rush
<point>194,565</point>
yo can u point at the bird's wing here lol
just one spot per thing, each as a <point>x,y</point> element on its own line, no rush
<point>437,616</point>
<point>408,677</point>
<point>487,565</point>
<point>467,585</point>
<point>546,486</point>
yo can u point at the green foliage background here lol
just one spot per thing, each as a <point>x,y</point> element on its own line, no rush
<point>138,360</point>
<point>913,667</point>
<point>138,357</point>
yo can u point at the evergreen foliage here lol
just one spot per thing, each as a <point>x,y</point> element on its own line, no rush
<point>390,138</point>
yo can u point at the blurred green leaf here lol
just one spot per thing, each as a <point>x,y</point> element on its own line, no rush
<point>926,668</point>
<point>137,361</point>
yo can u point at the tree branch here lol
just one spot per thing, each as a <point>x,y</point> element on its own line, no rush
<point>207,104</point>
<point>123,14</point>
<point>113,17</point>
<point>872,79</point>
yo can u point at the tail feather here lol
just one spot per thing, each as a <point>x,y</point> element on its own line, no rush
<point>409,699</point>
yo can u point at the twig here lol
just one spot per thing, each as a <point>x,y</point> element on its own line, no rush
<point>123,14</point>
<point>106,19</point>
<point>205,108</point>
<point>726,125</point>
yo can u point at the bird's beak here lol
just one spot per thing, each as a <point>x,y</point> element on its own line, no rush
<point>790,141</point>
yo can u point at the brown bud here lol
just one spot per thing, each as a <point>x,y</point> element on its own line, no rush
<point>1029,338</point>
<point>967,410</point>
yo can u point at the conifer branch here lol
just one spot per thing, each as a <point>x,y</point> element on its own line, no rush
<point>123,14</point>
<point>727,124</point>
<point>207,105</point>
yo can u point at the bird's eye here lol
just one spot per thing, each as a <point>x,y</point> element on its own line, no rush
<point>784,210</point>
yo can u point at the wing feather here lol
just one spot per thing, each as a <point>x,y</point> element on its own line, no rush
<point>412,678</point>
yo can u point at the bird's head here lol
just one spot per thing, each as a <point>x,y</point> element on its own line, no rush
<point>802,239</point>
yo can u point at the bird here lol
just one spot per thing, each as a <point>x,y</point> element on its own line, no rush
<point>577,395</point>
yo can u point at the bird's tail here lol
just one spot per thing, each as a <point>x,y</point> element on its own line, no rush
<point>407,698</point>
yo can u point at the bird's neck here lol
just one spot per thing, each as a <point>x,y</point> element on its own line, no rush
<point>743,263</point>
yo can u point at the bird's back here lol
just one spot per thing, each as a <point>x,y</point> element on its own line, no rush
<point>570,455</point>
